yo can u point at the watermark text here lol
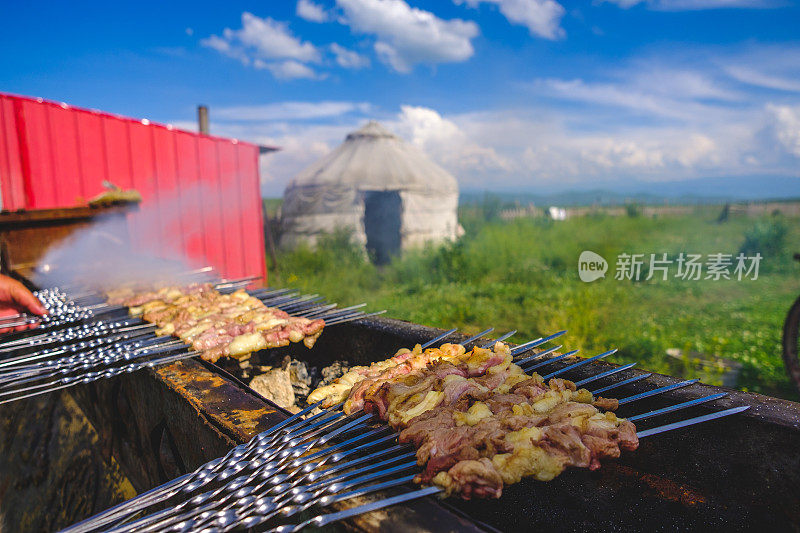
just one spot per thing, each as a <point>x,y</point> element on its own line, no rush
<point>663,266</point>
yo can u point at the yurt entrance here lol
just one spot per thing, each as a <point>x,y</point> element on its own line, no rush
<point>382,211</point>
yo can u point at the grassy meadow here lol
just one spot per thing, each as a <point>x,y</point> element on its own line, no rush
<point>522,274</point>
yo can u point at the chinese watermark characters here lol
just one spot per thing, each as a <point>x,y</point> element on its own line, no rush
<point>663,266</point>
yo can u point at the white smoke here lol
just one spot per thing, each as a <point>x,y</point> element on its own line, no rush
<point>145,246</point>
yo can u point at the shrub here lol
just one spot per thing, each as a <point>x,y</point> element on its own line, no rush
<point>767,237</point>
<point>336,267</point>
<point>491,207</point>
<point>521,275</point>
<point>725,214</point>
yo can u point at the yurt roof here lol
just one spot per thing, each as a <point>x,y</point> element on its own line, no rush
<point>373,158</point>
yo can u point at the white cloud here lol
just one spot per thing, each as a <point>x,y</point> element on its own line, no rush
<point>654,90</point>
<point>564,156</point>
<point>752,76</point>
<point>653,118</point>
<point>785,122</point>
<point>526,148</point>
<point>224,46</point>
<point>308,10</point>
<point>624,4</point>
<point>348,58</point>
<point>287,70</point>
<point>304,132</point>
<point>267,44</point>
<point>291,111</point>
<point>298,150</point>
<point>301,143</point>
<point>696,5</point>
<point>698,149</point>
<point>407,36</point>
<point>601,93</point>
<point>541,17</point>
<point>445,142</point>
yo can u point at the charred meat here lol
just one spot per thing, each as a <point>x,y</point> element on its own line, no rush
<point>218,325</point>
<point>478,422</point>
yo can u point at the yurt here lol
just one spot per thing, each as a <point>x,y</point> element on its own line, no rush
<point>385,190</point>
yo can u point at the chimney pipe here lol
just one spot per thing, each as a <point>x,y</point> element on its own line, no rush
<point>202,119</point>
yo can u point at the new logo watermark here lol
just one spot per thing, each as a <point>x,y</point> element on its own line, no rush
<point>684,266</point>
<point>591,266</point>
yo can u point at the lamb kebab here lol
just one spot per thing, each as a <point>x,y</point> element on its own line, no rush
<point>403,361</point>
<point>219,325</point>
<point>479,422</point>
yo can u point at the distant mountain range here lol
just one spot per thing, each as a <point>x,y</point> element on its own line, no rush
<point>695,191</point>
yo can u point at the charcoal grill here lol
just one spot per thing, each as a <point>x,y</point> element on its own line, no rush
<point>737,472</point>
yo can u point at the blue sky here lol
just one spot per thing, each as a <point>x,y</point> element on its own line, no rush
<point>506,94</point>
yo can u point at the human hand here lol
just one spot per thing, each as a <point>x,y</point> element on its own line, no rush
<point>14,299</point>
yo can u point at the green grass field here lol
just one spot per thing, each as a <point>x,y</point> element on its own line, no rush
<point>522,275</point>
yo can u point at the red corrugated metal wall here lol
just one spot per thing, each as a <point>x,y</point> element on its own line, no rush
<point>201,193</point>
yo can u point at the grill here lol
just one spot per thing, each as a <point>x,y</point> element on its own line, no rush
<point>84,339</point>
<point>736,472</point>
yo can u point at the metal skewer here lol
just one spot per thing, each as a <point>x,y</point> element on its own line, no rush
<point>521,362</point>
<point>579,364</point>
<point>93,376</point>
<point>634,379</point>
<point>659,390</point>
<point>112,513</point>
<point>253,508</point>
<point>122,335</point>
<point>676,407</point>
<point>325,519</point>
<point>334,310</point>
<point>551,360</point>
<point>190,519</point>
<point>439,337</point>
<point>691,421</point>
<point>165,490</point>
<point>351,318</point>
<point>605,374</point>
<point>81,364</point>
<point>501,338</point>
<point>476,337</point>
<point>308,313</point>
<point>530,345</point>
